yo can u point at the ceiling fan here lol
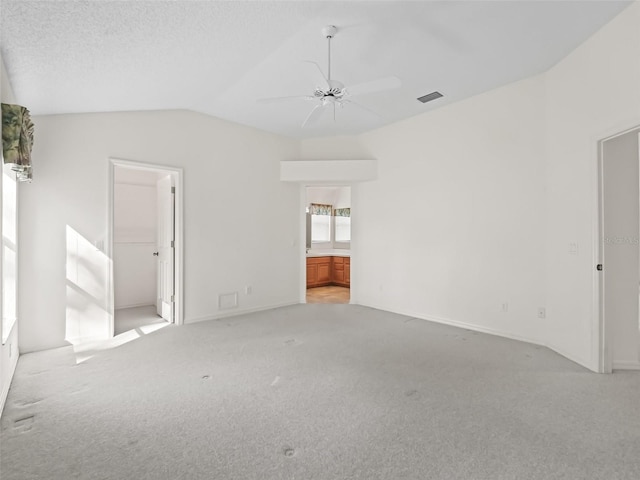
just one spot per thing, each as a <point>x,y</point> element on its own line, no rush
<point>330,93</point>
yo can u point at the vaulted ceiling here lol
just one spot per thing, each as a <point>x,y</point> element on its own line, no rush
<point>220,57</point>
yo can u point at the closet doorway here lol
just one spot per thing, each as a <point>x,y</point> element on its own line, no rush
<point>145,246</point>
<point>619,251</point>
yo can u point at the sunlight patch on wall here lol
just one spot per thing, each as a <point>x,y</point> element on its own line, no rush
<point>9,252</point>
<point>88,315</point>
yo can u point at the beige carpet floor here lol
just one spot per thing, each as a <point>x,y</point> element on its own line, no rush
<point>318,392</point>
<point>131,318</point>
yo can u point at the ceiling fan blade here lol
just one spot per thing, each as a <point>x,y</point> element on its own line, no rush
<point>379,85</point>
<point>285,99</point>
<point>313,116</point>
<point>360,106</point>
<point>317,75</point>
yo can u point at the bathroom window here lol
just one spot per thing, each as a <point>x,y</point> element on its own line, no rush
<point>320,228</point>
<point>343,229</point>
<point>343,224</point>
<point>320,222</point>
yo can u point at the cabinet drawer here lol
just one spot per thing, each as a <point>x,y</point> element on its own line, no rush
<point>318,260</point>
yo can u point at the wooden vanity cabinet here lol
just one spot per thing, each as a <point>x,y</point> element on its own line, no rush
<point>318,271</point>
<point>322,271</point>
<point>337,276</point>
<point>347,271</point>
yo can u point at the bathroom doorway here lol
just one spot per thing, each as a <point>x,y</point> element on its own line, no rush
<point>328,244</point>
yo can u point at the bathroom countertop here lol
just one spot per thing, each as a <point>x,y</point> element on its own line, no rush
<point>329,252</point>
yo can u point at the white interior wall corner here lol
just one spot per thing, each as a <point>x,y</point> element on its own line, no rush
<point>512,177</point>
<point>230,193</point>
<point>458,212</point>
<point>576,120</point>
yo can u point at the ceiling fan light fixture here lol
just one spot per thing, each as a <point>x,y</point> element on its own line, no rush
<point>329,31</point>
<point>330,93</point>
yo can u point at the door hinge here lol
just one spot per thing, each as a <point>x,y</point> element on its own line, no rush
<point>173,298</point>
<point>172,244</point>
<point>173,189</point>
<point>599,267</point>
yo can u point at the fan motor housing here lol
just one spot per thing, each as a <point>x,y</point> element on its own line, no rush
<point>329,31</point>
<point>336,90</point>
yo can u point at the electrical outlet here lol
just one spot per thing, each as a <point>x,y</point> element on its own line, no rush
<point>504,307</point>
<point>542,312</point>
<point>248,289</point>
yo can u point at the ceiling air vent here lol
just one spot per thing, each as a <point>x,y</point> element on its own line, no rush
<point>429,96</point>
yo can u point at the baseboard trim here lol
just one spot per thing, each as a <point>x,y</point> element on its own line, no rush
<point>490,331</point>
<point>626,365</point>
<point>237,312</point>
<point>430,318</point>
<point>479,328</point>
<point>575,359</point>
<point>460,324</point>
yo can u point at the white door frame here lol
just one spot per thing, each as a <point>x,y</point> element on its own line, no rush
<point>602,328</point>
<point>177,172</point>
<point>303,237</point>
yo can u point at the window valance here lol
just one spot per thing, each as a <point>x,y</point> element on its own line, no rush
<point>342,212</point>
<point>320,209</point>
<point>17,140</point>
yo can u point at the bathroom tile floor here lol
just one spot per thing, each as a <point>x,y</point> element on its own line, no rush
<point>330,294</point>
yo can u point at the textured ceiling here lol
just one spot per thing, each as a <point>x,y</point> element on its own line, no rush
<point>219,57</point>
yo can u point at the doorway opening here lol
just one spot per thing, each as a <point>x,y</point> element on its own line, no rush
<point>145,221</point>
<point>619,251</point>
<point>327,211</point>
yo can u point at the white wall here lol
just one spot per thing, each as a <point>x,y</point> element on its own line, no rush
<point>475,206</point>
<point>239,224</point>
<point>334,148</point>
<point>591,94</point>
<point>478,202</point>
<point>454,227</point>
<point>323,195</point>
<point>342,198</point>
<point>9,349</point>
<point>338,197</point>
<point>134,237</point>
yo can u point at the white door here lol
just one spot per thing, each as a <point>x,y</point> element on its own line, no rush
<point>165,248</point>
<point>621,250</point>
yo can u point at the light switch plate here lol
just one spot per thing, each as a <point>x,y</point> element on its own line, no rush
<point>573,248</point>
